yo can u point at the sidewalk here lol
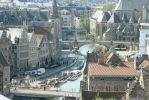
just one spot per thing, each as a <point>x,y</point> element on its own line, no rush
<point>54,71</point>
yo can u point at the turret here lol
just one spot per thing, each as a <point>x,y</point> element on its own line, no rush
<point>54,10</point>
<point>145,16</point>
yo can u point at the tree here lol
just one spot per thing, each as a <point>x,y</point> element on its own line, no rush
<point>84,24</point>
<point>100,49</point>
<point>108,6</point>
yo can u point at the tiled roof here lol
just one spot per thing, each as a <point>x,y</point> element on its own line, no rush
<point>145,63</point>
<point>3,60</point>
<point>127,69</point>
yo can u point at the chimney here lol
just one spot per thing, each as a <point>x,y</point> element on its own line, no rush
<point>100,59</point>
<point>135,62</point>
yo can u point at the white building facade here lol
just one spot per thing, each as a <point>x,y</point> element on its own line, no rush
<point>144,39</point>
<point>66,18</point>
<point>144,31</point>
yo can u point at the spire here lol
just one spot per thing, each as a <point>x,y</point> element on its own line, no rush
<point>132,19</point>
<point>4,33</point>
<point>54,9</point>
<point>24,25</point>
<point>145,17</point>
<point>124,18</point>
<point>25,29</point>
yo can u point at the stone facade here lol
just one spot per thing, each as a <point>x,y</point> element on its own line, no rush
<point>22,48</point>
<point>39,53</point>
<point>67,19</point>
<point>55,30</point>
<point>144,31</point>
<point>110,77</point>
<point>6,47</point>
<point>120,25</point>
<point>4,75</point>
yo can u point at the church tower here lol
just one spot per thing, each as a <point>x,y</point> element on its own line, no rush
<point>145,16</point>
<point>54,10</point>
<point>144,31</point>
<point>55,20</point>
<point>23,48</point>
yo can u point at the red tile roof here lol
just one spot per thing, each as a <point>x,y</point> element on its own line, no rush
<point>145,63</point>
<point>127,69</point>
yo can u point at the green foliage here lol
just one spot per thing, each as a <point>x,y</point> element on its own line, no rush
<point>85,77</point>
<point>108,6</point>
<point>84,23</point>
<point>100,49</point>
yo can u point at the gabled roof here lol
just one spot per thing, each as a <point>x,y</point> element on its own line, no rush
<point>101,16</point>
<point>3,61</point>
<point>125,70</point>
<point>130,4</point>
<point>39,38</point>
<point>114,19</point>
<point>13,32</point>
<point>144,64</point>
<point>13,16</point>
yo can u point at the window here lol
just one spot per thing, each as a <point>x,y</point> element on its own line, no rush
<point>107,88</point>
<point>115,88</point>
<point>5,79</point>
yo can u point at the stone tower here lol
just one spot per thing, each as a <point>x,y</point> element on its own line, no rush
<point>145,15</point>
<point>55,20</point>
<point>54,10</point>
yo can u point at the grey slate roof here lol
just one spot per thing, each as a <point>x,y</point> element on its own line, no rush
<point>3,61</point>
<point>14,16</point>
<point>101,16</point>
<point>114,19</point>
<point>130,4</point>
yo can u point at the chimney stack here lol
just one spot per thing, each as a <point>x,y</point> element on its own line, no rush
<point>135,62</point>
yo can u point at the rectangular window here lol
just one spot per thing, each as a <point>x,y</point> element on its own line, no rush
<point>107,88</point>
<point>5,79</point>
<point>115,88</point>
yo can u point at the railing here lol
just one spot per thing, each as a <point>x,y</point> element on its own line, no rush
<point>45,93</point>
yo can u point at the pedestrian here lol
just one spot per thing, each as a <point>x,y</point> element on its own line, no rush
<point>44,87</point>
<point>15,86</point>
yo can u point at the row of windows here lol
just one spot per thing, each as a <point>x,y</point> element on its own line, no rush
<point>44,51</point>
<point>4,40</point>
<point>23,55</point>
<point>108,88</point>
<point>5,49</point>
<point>24,47</point>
